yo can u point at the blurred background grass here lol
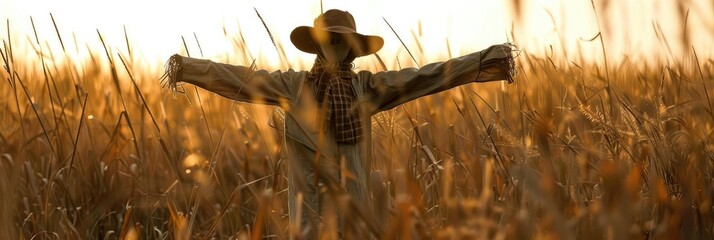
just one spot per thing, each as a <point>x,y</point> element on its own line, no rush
<point>94,148</point>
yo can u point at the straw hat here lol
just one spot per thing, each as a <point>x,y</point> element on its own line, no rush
<point>335,21</point>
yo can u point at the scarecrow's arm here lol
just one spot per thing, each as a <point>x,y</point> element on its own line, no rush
<point>235,82</point>
<point>389,89</point>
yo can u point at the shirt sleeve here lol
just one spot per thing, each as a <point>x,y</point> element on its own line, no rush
<point>388,89</point>
<point>239,83</point>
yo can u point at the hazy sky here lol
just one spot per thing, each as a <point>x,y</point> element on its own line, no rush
<point>155,27</point>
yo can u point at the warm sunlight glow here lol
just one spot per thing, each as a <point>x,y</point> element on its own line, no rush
<point>477,119</point>
<point>155,28</point>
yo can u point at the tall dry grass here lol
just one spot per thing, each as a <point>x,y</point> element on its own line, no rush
<point>96,150</point>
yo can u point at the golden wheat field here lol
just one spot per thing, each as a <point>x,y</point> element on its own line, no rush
<point>95,148</point>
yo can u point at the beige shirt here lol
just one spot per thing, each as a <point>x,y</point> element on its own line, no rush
<point>375,91</point>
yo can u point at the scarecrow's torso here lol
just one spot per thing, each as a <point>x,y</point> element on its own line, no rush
<point>302,120</point>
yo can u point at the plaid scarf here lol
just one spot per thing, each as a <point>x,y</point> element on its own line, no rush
<point>334,92</point>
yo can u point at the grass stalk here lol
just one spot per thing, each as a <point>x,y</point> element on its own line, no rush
<point>701,77</point>
<point>400,40</point>
<point>76,140</point>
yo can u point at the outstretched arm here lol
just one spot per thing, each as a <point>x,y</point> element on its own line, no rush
<point>235,82</point>
<point>389,89</point>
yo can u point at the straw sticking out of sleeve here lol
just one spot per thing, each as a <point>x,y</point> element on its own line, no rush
<point>506,63</point>
<point>511,62</point>
<point>172,75</point>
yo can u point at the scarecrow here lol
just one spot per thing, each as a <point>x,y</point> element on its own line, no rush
<point>327,112</point>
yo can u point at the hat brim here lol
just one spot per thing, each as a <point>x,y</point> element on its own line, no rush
<point>303,38</point>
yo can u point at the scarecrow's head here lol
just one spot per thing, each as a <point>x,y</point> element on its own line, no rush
<point>334,38</point>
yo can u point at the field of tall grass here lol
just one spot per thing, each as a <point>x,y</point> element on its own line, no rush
<point>96,149</point>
